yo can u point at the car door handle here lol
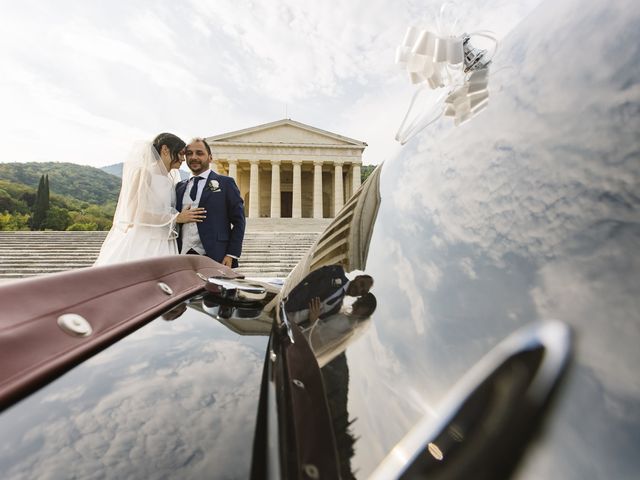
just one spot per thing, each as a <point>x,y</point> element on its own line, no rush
<point>486,420</point>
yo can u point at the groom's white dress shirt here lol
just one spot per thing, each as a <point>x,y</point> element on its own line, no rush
<point>326,305</point>
<point>190,235</point>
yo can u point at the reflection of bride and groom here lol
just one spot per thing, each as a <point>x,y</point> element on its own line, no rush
<point>158,215</point>
<point>317,304</point>
<point>320,305</point>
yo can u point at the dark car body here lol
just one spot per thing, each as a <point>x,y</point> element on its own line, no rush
<point>506,267</point>
<point>139,402</point>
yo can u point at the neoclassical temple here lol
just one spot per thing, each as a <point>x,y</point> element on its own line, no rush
<point>289,169</point>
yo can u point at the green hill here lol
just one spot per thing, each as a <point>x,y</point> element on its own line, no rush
<point>365,171</point>
<point>81,182</point>
<point>65,213</point>
<point>116,169</point>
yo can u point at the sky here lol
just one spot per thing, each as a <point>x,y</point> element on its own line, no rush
<point>82,81</point>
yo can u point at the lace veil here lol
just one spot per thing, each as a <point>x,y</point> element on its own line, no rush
<point>147,197</point>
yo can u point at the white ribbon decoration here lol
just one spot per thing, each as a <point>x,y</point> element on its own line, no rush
<point>470,99</point>
<point>432,112</point>
<point>433,61</point>
<point>429,57</point>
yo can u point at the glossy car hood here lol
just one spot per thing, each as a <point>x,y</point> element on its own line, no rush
<point>527,213</point>
<point>177,398</point>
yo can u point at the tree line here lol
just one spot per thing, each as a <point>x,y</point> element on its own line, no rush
<point>26,208</point>
<point>85,196</point>
<point>82,182</point>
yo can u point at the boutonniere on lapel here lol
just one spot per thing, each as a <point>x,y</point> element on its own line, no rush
<point>214,186</point>
<point>336,282</point>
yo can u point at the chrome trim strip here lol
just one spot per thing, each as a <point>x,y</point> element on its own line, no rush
<point>553,336</point>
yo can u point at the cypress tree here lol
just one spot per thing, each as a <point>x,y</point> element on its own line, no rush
<point>46,193</point>
<point>41,204</point>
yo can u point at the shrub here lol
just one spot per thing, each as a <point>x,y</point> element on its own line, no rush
<point>82,227</point>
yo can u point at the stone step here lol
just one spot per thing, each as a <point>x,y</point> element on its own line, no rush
<point>264,272</point>
<point>28,272</point>
<point>49,241</point>
<point>292,242</point>
<point>55,253</point>
<point>66,245</point>
<point>70,264</point>
<point>96,236</point>
<point>251,265</point>
<point>14,266</point>
<point>263,236</point>
<point>47,246</point>
<point>46,262</point>
<point>271,249</point>
<point>53,250</point>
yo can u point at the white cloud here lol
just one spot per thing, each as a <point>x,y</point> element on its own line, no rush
<point>153,421</point>
<point>82,81</point>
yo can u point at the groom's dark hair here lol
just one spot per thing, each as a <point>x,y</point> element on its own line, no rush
<point>206,145</point>
<point>174,143</point>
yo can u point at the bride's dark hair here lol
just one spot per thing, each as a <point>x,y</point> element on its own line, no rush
<point>174,143</point>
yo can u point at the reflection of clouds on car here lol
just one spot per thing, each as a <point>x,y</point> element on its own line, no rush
<point>528,212</point>
<point>478,190</point>
<point>388,389</point>
<point>411,285</point>
<point>587,289</point>
<point>125,414</point>
<point>489,195</point>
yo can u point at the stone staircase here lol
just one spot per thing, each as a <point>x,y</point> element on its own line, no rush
<point>272,247</point>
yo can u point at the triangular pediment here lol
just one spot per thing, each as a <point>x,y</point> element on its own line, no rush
<point>285,131</point>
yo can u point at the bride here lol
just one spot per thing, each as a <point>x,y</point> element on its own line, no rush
<point>144,224</point>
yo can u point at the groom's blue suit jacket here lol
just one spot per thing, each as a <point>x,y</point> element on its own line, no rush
<point>222,231</point>
<point>321,283</point>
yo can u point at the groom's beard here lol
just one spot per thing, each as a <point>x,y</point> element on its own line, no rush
<point>197,167</point>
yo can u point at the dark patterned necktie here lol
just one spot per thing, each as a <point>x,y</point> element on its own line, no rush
<point>194,188</point>
<point>334,297</point>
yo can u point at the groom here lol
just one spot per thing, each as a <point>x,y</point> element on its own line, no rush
<point>324,289</point>
<point>219,232</point>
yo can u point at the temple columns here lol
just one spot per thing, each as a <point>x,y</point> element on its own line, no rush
<point>311,190</point>
<point>317,189</point>
<point>296,209</point>
<point>338,188</point>
<point>254,190</point>
<point>275,188</point>
<point>355,176</point>
<point>233,169</point>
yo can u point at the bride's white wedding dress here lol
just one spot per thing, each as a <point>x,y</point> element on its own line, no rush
<point>145,217</point>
